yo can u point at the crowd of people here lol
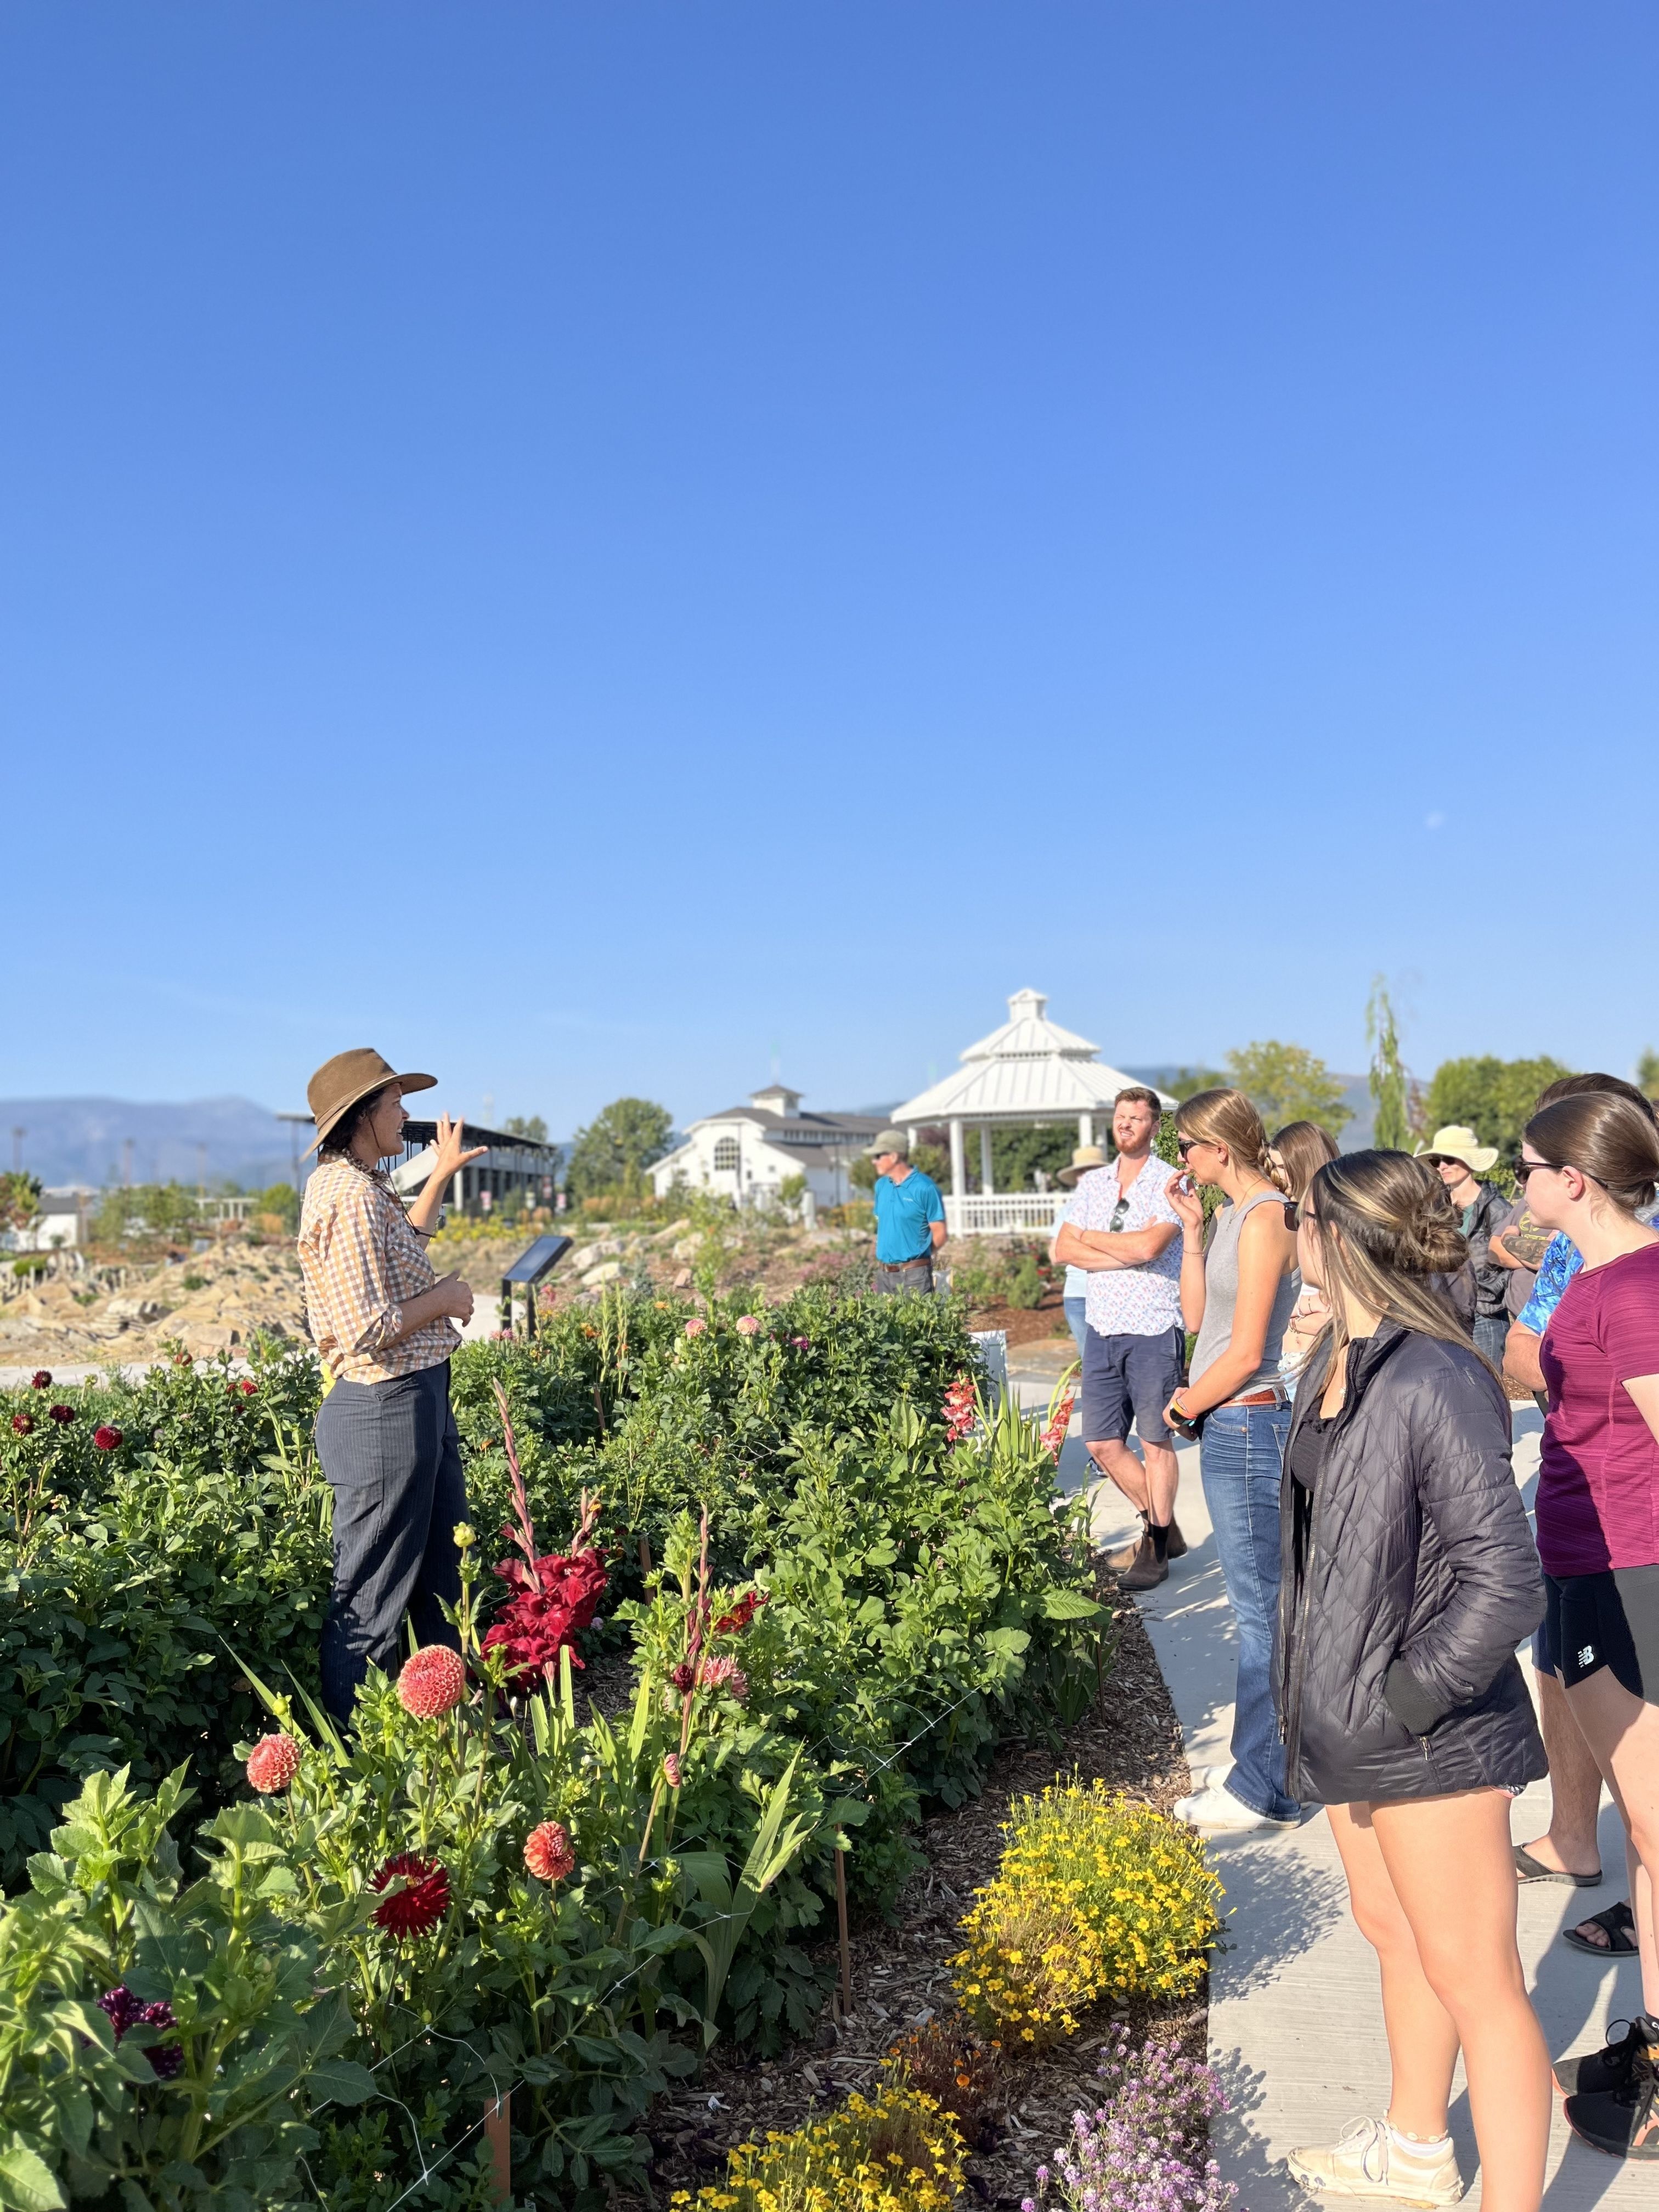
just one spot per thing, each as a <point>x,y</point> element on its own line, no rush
<point>1335,1331</point>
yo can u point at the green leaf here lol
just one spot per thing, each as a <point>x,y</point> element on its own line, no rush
<point>1069,1605</point>
<point>27,2182</point>
<point>339,2081</point>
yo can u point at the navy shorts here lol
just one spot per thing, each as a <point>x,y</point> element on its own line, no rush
<point>1130,1379</point>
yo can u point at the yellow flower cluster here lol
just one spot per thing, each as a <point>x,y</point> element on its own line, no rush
<point>899,2153</point>
<point>1096,1897</point>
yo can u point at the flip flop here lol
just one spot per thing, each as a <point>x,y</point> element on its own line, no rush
<point>1620,1925</point>
<point>1531,1869</point>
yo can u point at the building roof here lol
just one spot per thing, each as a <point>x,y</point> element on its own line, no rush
<point>499,1140</point>
<point>1028,1070</point>
<point>792,1128</point>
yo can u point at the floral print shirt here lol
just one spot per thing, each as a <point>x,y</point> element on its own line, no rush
<point>1141,1301</point>
<point>361,1258</point>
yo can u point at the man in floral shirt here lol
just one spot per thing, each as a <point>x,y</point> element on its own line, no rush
<point>1122,1232</point>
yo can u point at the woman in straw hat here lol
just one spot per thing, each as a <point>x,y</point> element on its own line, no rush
<point>383,1325</point>
<point>1461,1162</point>
<point>1083,1157</point>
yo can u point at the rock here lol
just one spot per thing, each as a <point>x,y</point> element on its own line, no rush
<point>607,1271</point>
<point>688,1248</point>
<point>683,1280</point>
<point>138,1310</point>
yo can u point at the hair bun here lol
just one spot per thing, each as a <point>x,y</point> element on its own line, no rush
<point>1433,1243</point>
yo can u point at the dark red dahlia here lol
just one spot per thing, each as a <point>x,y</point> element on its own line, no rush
<point>41,1379</point>
<point>419,1902</point>
<point>24,1424</point>
<point>124,2011</point>
<point>684,1675</point>
<point>106,1438</point>
<point>61,1414</point>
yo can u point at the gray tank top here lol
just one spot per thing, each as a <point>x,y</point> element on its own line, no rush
<point>1221,1296</point>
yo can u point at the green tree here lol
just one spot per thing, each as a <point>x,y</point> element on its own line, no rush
<point>1287,1083</point>
<point>1017,1154</point>
<point>617,1146</point>
<point>163,1208</point>
<point>281,1198</point>
<point>20,1199</point>
<point>1647,1073</point>
<point>532,1128</point>
<point>1390,1085</point>
<point>1494,1097</point>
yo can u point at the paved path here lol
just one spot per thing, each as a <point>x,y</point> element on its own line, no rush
<point>1296,2026</point>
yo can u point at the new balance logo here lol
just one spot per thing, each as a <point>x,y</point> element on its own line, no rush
<point>1587,1654</point>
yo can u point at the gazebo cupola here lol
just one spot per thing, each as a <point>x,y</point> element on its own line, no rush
<point>1029,1071</point>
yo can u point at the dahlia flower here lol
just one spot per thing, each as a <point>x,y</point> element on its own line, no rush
<point>124,2011</point>
<point>723,1674</point>
<point>801,1343</point>
<point>684,1675</point>
<point>547,1852</point>
<point>106,1438</point>
<point>61,1414</point>
<point>695,1326</point>
<point>272,1764</point>
<point>24,1424</point>
<point>432,1681</point>
<point>419,1904</point>
<point>247,1388</point>
<point>41,1379</point>
<point>748,1325</point>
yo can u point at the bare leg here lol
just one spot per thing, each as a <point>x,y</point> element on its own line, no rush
<point>1119,1464</point>
<point>1575,1787</point>
<point>1622,1732</point>
<point>1450,1861</point>
<point>1163,1477</point>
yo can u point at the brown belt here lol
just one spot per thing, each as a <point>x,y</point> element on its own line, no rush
<point>922,1259</point>
<point>1258,1398</point>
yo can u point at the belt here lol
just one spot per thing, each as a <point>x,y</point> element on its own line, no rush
<point>1257,1398</point>
<point>920,1259</point>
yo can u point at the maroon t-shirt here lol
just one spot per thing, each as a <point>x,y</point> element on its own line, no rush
<point>1598,1482</point>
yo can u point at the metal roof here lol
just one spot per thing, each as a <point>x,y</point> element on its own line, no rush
<point>1028,1070</point>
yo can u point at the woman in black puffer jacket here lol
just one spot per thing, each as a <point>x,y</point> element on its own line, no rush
<point>1409,1576</point>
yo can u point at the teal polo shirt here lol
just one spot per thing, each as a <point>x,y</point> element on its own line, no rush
<point>903,1209</point>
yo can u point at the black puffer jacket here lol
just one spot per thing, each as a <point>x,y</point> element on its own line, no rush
<point>1406,1584</point>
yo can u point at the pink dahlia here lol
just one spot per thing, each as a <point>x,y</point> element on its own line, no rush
<point>695,1326</point>
<point>421,1902</point>
<point>272,1764</point>
<point>547,1852</point>
<point>748,1325</point>
<point>106,1438</point>
<point>723,1674</point>
<point>432,1681</point>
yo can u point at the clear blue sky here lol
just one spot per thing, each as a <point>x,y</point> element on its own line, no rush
<point>586,545</point>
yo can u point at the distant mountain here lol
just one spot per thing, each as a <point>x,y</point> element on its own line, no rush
<point>215,1140</point>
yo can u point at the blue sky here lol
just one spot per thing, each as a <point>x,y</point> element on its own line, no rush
<point>588,546</point>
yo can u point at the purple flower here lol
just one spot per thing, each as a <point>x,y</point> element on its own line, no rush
<point>125,2011</point>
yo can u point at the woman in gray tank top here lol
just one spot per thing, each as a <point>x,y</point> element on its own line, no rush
<point>1238,1297</point>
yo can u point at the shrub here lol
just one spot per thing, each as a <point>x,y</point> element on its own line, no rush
<point>946,2061</point>
<point>1143,2149</point>
<point>1096,1897</point>
<point>897,2153</point>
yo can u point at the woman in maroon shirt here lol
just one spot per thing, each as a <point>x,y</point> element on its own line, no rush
<point>1588,1163</point>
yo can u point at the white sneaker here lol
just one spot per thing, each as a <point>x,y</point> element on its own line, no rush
<point>1217,1811</point>
<point>1369,2159</point>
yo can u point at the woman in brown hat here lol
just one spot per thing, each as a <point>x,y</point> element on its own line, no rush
<point>383,1325</point>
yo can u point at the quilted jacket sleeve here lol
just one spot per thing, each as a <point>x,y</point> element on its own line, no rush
<point>1460,1446</point>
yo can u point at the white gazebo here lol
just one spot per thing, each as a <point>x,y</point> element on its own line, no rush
<point>1029,1071</point>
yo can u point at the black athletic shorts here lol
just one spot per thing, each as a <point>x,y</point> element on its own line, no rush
<point>1610,1620</point>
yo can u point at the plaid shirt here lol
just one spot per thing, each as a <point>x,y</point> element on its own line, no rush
<point>361,1258</point>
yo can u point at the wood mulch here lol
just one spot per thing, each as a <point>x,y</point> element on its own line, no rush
<point>900,1973</point>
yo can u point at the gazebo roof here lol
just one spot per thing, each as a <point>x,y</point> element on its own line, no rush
<point>1030,1070</point>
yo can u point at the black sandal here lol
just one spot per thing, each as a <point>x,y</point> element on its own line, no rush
<point>1619,1923</point>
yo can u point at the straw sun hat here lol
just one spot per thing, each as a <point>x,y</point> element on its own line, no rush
<point>340,1083</point>
<point>1085,1158</point>
<point>1458,1142</point>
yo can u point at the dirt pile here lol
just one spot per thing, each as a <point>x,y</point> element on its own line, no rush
<point>214,1301</point>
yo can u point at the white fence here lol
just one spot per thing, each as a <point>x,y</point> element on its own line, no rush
<point>1002,1212</point>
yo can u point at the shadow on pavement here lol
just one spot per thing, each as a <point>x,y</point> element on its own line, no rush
<point>1276,1908</point>
<point>1263,2182</point>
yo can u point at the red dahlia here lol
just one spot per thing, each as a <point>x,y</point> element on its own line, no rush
<point>547,1852</point>
<point>432,1682</point>
<point>248,1389</point>
<point>24,1424</point>
<point>419,1903</point>
<point>272,1764</point>
<point>106,1438</point>
<point>41,1379</point>
<point>61,1414</point>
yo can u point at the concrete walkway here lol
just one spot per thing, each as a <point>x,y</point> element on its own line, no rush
<point>1296,2023</point>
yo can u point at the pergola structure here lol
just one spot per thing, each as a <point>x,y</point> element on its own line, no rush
<point>1029,1071</point>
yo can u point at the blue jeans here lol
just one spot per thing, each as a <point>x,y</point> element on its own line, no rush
<point>1077,1320</point>
<point>1241,1461</point>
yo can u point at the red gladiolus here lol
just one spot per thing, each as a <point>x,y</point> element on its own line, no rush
<point>416,1908</point>
<point>1054,1434</point>
<point>432,1682</point>
<point>272,1764</point>
<point>554,1601</point>
<point>61,1414</point>
<point>671,1770</point>
<point>547,1852</point>
<point>41,1379</point>
<point>959,1410</point>
<point>24,1424</point>
<point>734,1623</point>
<point>106,1438</point>
<point>247,1388</point>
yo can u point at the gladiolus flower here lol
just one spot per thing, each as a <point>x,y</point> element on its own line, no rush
<point>61,1414</point>
<point>748,1325</point>
<point>432,1682</point>
<point>734,1623</point>
<point>671,1770</point>
<point>684,1675</point>
<point>547,1852</point>
<point>247,1388</point>
<point>723,1674</point>
<point>106,1438</point>
<point>41,1379</point>
<point>272,1764</point>
<point>24,1424</point>
<point>421,1904</point>
<point>695,1326</point>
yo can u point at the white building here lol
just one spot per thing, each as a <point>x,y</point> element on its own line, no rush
<point>63,1223</point>
<point>748,1152</point>
<point>1029,1071</point>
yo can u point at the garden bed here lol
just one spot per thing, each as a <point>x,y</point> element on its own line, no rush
<point>901,1971</point>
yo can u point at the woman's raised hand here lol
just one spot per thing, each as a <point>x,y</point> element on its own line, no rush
<point>452,1136</point>
<point>1189,1206</point>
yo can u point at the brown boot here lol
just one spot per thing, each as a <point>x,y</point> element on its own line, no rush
<point>1124,1556</point>
<point>1148,1569</point>
<point>1176,1547</point>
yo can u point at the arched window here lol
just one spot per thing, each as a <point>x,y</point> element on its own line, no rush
<point>726,1155</point>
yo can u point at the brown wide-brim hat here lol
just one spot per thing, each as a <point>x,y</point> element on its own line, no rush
<point>340,1083</point>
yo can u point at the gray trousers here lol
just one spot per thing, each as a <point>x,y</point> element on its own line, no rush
<point>893,1277</point>
<point>393,1456</point>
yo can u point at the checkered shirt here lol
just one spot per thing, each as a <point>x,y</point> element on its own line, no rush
<point>361,1258</point>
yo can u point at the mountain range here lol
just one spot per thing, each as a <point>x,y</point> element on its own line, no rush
<point>207,1141</point>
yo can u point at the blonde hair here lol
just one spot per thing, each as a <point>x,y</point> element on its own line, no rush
<point>1227,1117</point>
<point>1302,1149</point>
<point>1383,1227</point>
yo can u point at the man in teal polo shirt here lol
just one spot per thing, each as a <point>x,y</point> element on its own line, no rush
<point>909,1217</point>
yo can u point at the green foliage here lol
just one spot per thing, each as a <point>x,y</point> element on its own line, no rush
<point>164,1209</point>
<point>282,1200</point>
<point>531,1127</point>
<point>19,1199</point>
<point>934,1161</point>
<point>861,1172</point>
<point>1494,1097</point>
<point>617,1146</point>
<point>1390,1085</point>
<point>1647,1073</point>
<point>1017,1154</point>
<point>1287,1083</point>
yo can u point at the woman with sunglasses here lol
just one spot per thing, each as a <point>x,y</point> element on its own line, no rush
<point>1588,1164</point>
<point>1238,1297</point>
<point>1408,1577</point>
